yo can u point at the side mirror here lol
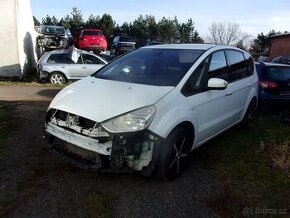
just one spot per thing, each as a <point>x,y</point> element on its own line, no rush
<point>217,84</point>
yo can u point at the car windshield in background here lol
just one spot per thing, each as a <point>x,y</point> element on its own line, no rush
<point>92,33</point>
<point>126,39</point>
<point>53,30</point>
<point>278,73</point>
<point>159,67</point>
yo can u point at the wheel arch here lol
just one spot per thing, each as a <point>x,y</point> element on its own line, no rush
<point>252,96</point>
<point>183,117</point>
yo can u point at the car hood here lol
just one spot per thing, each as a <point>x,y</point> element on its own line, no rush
<point>100,99</point>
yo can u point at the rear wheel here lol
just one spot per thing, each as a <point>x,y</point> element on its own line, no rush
<point>249,115</point>
<point>57,78</point>
<point>174,153</point>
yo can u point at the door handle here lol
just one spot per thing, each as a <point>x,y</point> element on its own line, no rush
<point>62,67</point>
<point>229,94</point>
<point>84,67</point>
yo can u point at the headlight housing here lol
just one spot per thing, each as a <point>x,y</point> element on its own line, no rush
<point>131,122</point>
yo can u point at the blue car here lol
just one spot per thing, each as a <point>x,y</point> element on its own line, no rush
<point>274,84</point>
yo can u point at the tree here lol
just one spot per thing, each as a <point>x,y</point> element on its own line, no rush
<point>36,22</point>
<point>107,25</point>
<point>167,30</point>
<point>227,34</point>
<point>50,20</point>
<point>196,38</point>
<point>261,45</point>
<point>93,21</point>
<point>74,20</point>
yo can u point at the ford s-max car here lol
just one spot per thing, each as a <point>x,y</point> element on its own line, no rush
<point>149,108</point>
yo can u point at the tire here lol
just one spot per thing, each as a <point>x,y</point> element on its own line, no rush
<point>174,153</point>
<point>249,115</point>
<point>57,78</point>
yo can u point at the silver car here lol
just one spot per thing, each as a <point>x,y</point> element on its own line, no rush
<point>57,67</point>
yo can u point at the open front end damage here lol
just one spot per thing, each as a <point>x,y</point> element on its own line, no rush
<point>88,144</point>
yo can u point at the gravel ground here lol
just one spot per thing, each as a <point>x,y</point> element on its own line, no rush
<point>34,183</point>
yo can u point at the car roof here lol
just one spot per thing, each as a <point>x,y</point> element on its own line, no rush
<point>272,64</point>
<point>189,46</point>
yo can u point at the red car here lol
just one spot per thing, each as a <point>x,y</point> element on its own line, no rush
<point>91,40</point>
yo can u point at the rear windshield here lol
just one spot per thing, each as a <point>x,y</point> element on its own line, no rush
<point>53,30</point>
<point>92,33</point>
<point>278,73</point>
<point>159,67</point>
<point>126,39</point>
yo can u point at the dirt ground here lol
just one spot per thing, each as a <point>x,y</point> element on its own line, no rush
<point>35,183</point>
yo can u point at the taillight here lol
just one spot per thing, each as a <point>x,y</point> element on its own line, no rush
<point>267,85</point>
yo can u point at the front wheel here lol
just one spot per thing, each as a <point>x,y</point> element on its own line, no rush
<point>57,78</point>
<point>174,154</point>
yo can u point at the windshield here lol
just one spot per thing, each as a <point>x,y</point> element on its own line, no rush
<point>159,67</point>
<point>53,30</point>
<point>278,73</point>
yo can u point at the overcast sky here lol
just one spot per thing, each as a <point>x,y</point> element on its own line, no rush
<point>253,16</point>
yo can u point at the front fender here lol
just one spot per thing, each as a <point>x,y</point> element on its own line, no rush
<point>163,124</point>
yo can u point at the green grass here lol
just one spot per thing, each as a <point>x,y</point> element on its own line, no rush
<point>99,205</point>
<point>242,159</point>
<point>4,118</point>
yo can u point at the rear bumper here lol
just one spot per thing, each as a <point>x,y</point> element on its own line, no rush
<point>42,75</point>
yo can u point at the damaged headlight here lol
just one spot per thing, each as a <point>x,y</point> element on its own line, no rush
<point>132,121</point>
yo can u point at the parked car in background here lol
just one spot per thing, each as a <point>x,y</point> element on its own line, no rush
<point>149,108</point>
<point>51,37</point>
<point>274,83</point>
<point>282,59</point>
<point>122,44</point>
<point>57,67</point>
<point>91,40</point>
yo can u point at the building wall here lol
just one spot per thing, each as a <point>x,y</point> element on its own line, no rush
<point>17,38</point>
<point>9,61</point>
<point>280,45</point>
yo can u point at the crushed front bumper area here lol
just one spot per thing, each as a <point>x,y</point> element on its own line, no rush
<point>123,152</point>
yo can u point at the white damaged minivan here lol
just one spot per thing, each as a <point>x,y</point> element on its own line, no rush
<point>149,108</point>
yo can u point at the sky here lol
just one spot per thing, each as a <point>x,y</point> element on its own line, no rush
<point>254,17</point>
